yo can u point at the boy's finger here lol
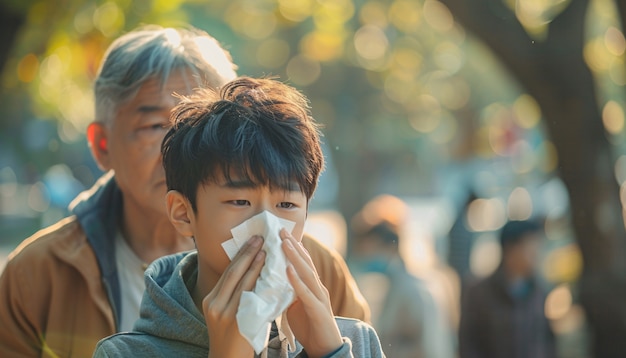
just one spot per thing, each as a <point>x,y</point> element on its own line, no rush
<point>239,266</point>
<point>286,235</point>
<point>250,277</point>
<point>304,270</point>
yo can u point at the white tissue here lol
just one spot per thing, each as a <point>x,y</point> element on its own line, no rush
<point>273,292</point>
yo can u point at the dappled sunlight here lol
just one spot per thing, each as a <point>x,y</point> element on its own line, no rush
<point>524,159</point>
<point>622,190</point>
<point>620,175</point>
<point>527,112</point>
<point>370,43</point>
<point>455,93</point>
<point>613,117</point>
<point>597,55</point>
<point>406,58</point>
<point>519,204</point>
<point>438,16</point>
<point>535,15</point>
<point>449,57</point>
<point>563,264</point>
<point>52,69</point>
<point>109,19</point>
<point>446,130</point>
<point>614,41</point>
<point>273,53</point>
<point>559,302</point>
<point>405,16</point>
<point>329,227</point>
<point>485,255</point>
<point>303,70</point>
<point>27,68</point>
<point>486,214</point>
<point>322,45</point>
<point>429,117</point>
<point>296,10</point>
<point>550,158</point>
<point>373,13</point>
<point>255,23</point>
<point>83,21</point>
<point>604,51</point>
<point>411,103</point>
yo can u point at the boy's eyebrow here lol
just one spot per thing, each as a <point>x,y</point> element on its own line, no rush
<point>245,183</point>
<point>235,184</point>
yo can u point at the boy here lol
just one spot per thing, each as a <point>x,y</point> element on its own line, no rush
<point>254,149</point>
<point>92,263</point>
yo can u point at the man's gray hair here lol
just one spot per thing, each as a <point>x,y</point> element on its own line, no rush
<point>153,52</point>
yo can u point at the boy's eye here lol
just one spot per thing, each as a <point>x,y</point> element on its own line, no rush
<point>286,205</point>
<point>240,202</point>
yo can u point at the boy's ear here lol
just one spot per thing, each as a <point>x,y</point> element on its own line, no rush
<point>180,212</point>
<point>97,136</point>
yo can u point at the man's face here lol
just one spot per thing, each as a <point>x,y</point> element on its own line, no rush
<point>134,142</point>
<point>221,207</point>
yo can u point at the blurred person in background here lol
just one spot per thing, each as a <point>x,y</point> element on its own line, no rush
<point>461,240</point>
<point>81,279</point>
<point>503,314</point>
<point>409,320</point>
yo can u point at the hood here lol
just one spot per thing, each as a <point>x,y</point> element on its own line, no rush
<point>167,309</point>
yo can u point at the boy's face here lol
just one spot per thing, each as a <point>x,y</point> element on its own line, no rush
<point>222,206</point>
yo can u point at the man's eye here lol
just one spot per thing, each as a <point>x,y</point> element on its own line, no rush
<point>154,127</point>
<point>158,126</point>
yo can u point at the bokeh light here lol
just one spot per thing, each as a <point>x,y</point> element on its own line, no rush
<point>613,117</point>
<point>558,302</point>
<point>486,214</point>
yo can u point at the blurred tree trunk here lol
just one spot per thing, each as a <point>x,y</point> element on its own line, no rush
<point>554,72</point>
<point>11,20</point>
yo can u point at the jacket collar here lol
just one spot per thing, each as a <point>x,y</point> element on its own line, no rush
<point>98,210</point>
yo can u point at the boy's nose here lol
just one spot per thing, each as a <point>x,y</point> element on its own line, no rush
<point>266,206</point>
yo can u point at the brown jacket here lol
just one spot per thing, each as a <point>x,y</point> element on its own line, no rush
<point>55,302</point>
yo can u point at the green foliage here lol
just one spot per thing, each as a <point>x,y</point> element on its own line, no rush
<point>391,76</point>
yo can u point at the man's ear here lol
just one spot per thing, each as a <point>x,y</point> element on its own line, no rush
<point>97,136</point>
<point>180,213</point>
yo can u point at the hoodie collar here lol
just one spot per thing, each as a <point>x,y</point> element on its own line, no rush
<point>167,309</point>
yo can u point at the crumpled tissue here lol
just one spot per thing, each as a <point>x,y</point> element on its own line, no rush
<point>273,293</point>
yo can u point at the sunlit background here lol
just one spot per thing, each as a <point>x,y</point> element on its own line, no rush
<point>411,104</point>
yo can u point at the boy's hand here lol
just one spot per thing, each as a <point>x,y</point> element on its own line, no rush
<point>310,316</point>
<point>221,304</point>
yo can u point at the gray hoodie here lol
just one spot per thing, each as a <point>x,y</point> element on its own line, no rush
<point>170,325</point>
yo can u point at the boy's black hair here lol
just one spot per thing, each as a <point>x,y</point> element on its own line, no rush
<point>513,231</point>
<point>259,131</point>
